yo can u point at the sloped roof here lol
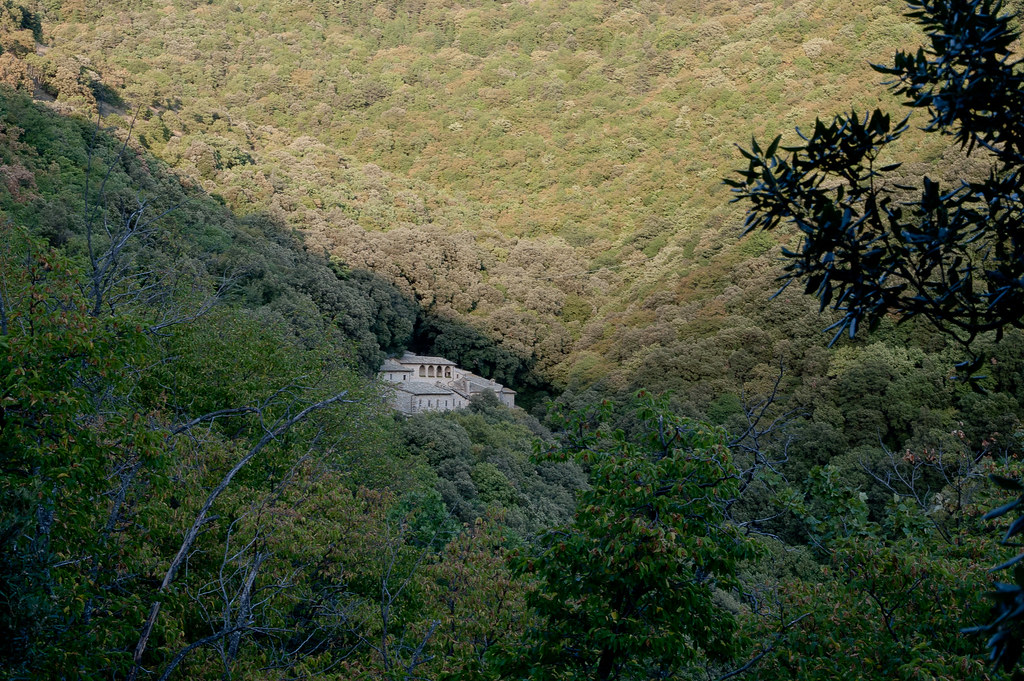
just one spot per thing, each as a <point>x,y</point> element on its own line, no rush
<point>477,383</point>
<point>392,365</point>
<point>423,388</point>
<point>410,358</point>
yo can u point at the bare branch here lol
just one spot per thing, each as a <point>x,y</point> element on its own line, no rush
<point>193,532</point>
<point>270,436</point>
<point>213,415</point>
<point>764,651</point>
<point>3,314</point>
<point>245,603</point>
<point>212,638</point>
<point>205,307</point>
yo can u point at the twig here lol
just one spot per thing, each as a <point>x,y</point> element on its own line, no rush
<point>193,532</point>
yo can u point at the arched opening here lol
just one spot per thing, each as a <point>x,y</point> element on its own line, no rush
<point>430,372</point>
<point>447,372</point>
<point>423,371</point>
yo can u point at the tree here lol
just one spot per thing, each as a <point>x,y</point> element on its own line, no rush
<point>65,468</point>
<point>954,256</point>
<point>629,589</point>
<point>167,498</point>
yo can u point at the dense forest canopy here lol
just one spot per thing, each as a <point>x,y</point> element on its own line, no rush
<point>547,172</point>
<point>216,220</point>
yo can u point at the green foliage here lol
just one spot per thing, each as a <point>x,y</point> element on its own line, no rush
<point>533,186</point>
<point>880,609</point>
<point>951,256</point>
<point>176,493</point>
<point>891,579</point>
<point>1008,598</point>
<point>430,523</point>
<point>97,480</point>
<point>838,512</point>
<point>499,162</point>
<point>481,457</point>
<point>628,590</point>
<point>197,244</point>
<point>58,368</point>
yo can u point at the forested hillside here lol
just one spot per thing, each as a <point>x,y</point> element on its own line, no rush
<point>548,172</point>
<point>193,450</point>
<point>217,218</point>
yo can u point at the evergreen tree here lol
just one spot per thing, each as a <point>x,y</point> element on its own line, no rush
<point>953,255</point>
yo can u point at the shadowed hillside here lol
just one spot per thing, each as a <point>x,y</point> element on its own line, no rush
<point>547,172</point>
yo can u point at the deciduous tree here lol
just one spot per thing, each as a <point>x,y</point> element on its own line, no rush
<point>952,255</point>
<point>628,590</point>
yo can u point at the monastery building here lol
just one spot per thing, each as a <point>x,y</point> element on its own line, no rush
<point>436,384</point>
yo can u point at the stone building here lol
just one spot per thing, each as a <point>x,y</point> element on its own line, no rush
<point>436,384</point>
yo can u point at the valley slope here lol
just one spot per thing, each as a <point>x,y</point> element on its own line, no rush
<point>546,172</point>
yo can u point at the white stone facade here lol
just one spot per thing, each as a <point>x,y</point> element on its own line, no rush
<point>436,384</point>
